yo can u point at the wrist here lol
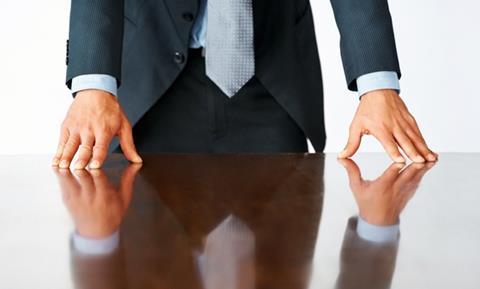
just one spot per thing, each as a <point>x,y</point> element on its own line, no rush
<point>383,93</point>
<point>94,93</point>
<point>97,103</point>
<point>387,218</point>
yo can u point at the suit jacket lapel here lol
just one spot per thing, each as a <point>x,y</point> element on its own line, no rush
<point>176,9</point>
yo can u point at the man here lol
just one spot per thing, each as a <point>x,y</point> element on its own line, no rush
<point>230,76</point>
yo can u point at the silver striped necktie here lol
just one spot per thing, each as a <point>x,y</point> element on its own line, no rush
<point>229,58</point>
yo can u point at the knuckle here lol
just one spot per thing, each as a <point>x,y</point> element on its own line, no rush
<point>367,121</point>
<point>410,117</point>
<point>73,141</point>
<point>410,133</point>
<point>64,127</point>
<point>380,126</point>
<point>73,131</point>
<point>103,136</point>
<point>102,128</point>
<point>392,152</point>
<point>353,127</point>
<point>127,124</point>
<point>100,149</point>
<point>125,131</point>
<point>390,142</point>
<point>413,152</point>
<point>87,135</point>
<point>424,150</point>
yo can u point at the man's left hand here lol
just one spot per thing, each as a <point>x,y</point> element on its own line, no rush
<point>383,114</point>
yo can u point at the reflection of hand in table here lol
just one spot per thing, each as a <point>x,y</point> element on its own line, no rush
<point>382,200</point>
<point>95,204</point>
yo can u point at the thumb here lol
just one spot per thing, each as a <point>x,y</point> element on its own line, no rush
<point>126,143</point>
<point>353,144</point>
<point>126,182</point>
<point>353,172</point>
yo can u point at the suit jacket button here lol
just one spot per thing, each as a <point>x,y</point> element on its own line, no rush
<point>188,16</point>
<point>179,57</point>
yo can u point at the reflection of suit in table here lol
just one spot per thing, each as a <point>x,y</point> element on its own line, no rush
<point>171,222</point>
<point>253,218</point>
<point>365,263</point>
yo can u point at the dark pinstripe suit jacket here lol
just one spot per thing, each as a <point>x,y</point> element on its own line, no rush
<point>144,45</point>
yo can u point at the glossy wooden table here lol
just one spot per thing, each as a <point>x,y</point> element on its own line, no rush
<point>240,221</point>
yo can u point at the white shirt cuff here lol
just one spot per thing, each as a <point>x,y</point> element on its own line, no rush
<point>378,234</point>
<point>377,80</point>
<point>96,246</point>
<point>104,82</point>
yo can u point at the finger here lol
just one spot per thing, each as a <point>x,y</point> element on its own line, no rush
<point>126,182</point>
<point>100,151</point>
<point>407,146</point>
<point>391,173</point>
<point>127,145</point>
<point>69,150</point>
<point>413,131</point>
<point>68,184</point>
<point>353,143</point>
<point>409,172</point>
<point>411,120</point>
<point>431,156</point>
<point>420,144</point>
<point>85,151</point>
<point>101,181</point>
<point>61,144</point>
<point>353,172</point>
<point>389,144</point>
<point>86,181</point>
<point>408,181</point>
<point>421,173</point>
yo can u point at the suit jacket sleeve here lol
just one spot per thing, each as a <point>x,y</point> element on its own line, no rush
<point>367,42</point>
<point>95,38</point>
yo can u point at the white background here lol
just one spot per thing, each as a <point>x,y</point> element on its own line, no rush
<point>438,44</point>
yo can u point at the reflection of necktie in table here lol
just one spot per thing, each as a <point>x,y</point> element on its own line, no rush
<point>229,255</point>
<point>230,59</point>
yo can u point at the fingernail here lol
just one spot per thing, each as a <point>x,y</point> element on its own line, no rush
<point>137,159</point>
<point>80,165</point>
<point>95,165</point>
<point>419,159</point>
<point>431,157</point>
<point>55,161</point>
<point>64,164</point>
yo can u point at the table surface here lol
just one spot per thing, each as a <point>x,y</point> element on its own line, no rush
<point>240,221</point>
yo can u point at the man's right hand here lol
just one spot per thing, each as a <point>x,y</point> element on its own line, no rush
<point>94,118</point>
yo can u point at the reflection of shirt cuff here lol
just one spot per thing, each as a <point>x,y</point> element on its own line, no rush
<point>377,80</point>
<point>374,233</point>
<point>95,246</point>
<point>95,81</point>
